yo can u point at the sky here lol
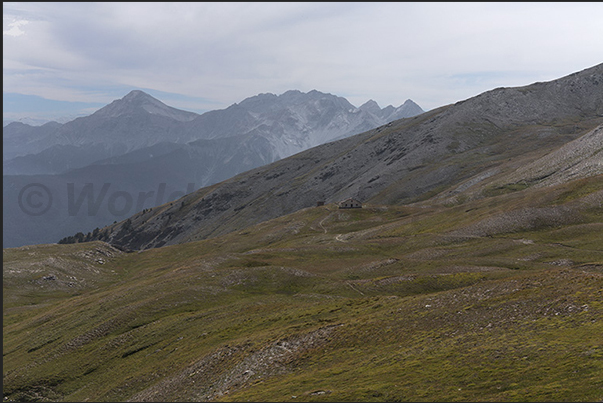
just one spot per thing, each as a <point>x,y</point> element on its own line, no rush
<point>63,60</point>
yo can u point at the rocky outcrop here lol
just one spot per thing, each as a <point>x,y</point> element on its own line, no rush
<point>580,158</point>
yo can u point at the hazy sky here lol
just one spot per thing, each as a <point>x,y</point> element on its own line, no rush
<point>73,58</point>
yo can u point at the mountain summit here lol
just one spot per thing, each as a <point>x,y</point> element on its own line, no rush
<point>136,102</point>
<point>389,113</point>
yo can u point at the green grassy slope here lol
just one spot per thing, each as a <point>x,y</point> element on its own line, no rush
<point>492,299</point>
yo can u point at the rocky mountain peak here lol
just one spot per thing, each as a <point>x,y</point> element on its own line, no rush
<point>371,106</point>
<point>137,94</point>
<point>389,113</point>
<point>408,104</point>
<point>137,101</point>
<point>407,109</point>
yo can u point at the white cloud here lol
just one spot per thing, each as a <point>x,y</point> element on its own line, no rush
<point>433,53</point>
<point>14,28</point>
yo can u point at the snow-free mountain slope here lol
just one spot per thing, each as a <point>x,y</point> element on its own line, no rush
<point>403,162</point>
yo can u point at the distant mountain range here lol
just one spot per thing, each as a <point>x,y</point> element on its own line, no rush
<point>138,144</point>
<point>40,121</point>
<point>291,122</point>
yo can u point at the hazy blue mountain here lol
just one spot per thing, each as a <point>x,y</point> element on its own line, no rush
<point>137,144</point>
<point>56,159</point>
<point>20,139</point>
<point>291,122</point>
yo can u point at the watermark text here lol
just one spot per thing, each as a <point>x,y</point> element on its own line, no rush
<point>36,199</point>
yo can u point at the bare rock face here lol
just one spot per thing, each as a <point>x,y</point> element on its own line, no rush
<point>580,158</point>
<point>400,162</point>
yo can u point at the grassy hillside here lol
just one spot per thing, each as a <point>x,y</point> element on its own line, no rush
<point>489,299</point>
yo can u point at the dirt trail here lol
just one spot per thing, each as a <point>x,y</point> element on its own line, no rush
<point>323,220</point>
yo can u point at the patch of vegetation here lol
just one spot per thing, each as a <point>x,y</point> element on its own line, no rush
<point>580,188</point>
<point>386,303</point>
<point>504,189</point>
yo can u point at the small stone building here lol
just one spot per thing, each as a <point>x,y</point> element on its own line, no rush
<point>350,203</point>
